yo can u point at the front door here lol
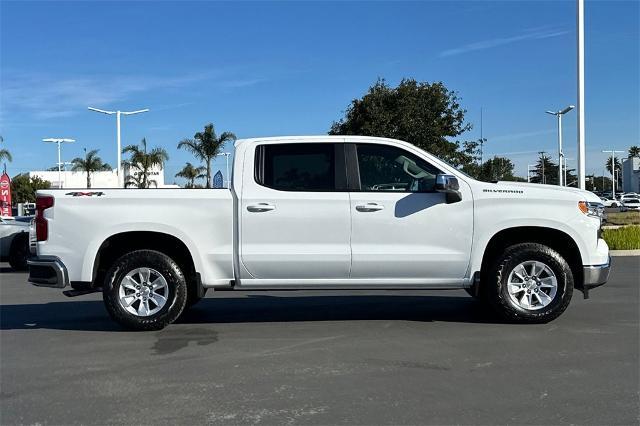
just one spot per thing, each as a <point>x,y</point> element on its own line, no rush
<point>402,228</point>
<point>295,219</point>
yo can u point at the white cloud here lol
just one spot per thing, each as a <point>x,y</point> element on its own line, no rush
<point>532,34</point>
<point>522,135</point>
<point>45,96</point>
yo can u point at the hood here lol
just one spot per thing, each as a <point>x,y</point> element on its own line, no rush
<point>575,192</point>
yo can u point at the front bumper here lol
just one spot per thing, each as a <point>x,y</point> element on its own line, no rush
<point>596,275</point>
<point>48,272</point>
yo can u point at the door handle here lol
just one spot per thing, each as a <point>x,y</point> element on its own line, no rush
<point>369,207</point>
<point>261,207</point>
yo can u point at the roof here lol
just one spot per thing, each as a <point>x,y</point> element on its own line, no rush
<point>318,138</point>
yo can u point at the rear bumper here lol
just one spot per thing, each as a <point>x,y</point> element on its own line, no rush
<point>596,275</point>
<point>48,272</point>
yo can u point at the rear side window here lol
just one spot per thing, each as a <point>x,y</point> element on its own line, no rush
<point>297,166</point>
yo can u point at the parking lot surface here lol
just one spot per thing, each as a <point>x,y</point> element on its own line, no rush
<point>312,357</point>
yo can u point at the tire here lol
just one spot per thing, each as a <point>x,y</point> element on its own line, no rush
<point>19,252</point>
<point>130,279</point>
<point>614,205</point>
<point>532,299</point>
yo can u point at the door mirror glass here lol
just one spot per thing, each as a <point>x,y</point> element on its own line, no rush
<point>449,185</point>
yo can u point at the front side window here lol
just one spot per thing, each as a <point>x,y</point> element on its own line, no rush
<point>297,166</point>
<point>386,168</point>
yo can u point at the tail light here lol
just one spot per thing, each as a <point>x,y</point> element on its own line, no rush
<point>43,202</point>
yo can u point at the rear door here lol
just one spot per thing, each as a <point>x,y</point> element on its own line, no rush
<point>402,228</point>
<point>295,222</point>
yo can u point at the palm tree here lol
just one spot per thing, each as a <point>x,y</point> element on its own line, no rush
<point>206,145</point>
<point>634,151</point>
<point>191,173</point>
<point>5,154</point>
<point>617,163</point>
<point>143,161</point>
<point>89,164</point>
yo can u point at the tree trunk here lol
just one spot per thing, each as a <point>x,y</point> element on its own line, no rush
<point>88,179</point>
<point>208,173</point>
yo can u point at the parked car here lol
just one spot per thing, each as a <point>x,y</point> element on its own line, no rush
<point>609,203</point>
<point>321,213</point>
<point>629,202</point>
<point>14,241</point>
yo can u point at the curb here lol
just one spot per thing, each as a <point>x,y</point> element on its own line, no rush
<point>618,253</point>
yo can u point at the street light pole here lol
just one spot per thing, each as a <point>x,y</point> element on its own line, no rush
<point>529,166</point>
<point>118,139</point>
<point>613,171</point>
<point>226,154</point>
<point>581,126</point>
<point>559,114</point>
<point>59,141</point>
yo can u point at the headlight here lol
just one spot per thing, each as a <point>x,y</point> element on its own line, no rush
<point>591,209</point>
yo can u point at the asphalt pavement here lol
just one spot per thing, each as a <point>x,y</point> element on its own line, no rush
<point>313,357</point>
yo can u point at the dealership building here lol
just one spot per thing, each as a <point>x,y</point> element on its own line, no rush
<point>104,179</point>
<point>631,175</point>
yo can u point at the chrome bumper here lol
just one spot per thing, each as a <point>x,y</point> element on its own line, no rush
<point>596,275</point>
<point>48,272</point>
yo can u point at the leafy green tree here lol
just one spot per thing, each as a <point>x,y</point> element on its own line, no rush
<point>191,173</point>
<point>23,188</point>
<point>634,151</point>
<point>496,168</point>
<point>89,164</point>
<point>4,153</point>
<point>546,171</point>
<point>206,145</point>
<point>141,162</point>
<point>424,114</point>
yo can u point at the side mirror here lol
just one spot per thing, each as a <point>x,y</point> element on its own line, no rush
<point>449,185</point>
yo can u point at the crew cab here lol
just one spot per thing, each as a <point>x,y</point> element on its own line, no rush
<point>323,212</point>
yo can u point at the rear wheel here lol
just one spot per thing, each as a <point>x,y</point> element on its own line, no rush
<point>144,290</point>
<point>530,283</point>
<point>19,252</point>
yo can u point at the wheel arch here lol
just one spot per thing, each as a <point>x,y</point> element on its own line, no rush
<point>121,243</point>
<point>556,239</point>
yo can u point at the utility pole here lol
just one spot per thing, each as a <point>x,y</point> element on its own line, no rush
<point>118,114</point>
<point>542,157</point>
<point>559,114</point>
<point>613,171</point>
<point>59,141</point>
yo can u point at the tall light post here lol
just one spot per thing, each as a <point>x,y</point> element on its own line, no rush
<point>580,60</point>
<point>559,114</point>
<point>226,155</point>
<point>59,141</point>
<point>118,114</point>
<point>565,170</point>
<point>613,171</point>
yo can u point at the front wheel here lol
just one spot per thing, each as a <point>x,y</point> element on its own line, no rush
<point>144,290</point>
<point>530,283</point>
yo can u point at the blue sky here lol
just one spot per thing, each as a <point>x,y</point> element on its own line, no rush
<point>283,68</point>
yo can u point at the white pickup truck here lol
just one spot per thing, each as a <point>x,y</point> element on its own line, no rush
<point>323,212</point>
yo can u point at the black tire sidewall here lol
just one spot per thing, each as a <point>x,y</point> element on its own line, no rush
<point>19,252</point>
<point>513,256</point>
<point>177,294</point>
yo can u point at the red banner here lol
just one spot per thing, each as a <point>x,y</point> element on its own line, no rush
<point>5,195</point>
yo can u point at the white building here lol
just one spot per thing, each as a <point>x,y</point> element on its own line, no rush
<point>631,174</point>
<point>106,179</point>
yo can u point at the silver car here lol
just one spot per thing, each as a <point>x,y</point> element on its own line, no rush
<point>14,241</point>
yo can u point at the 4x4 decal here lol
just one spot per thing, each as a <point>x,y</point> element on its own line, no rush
<point>85,194</point>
